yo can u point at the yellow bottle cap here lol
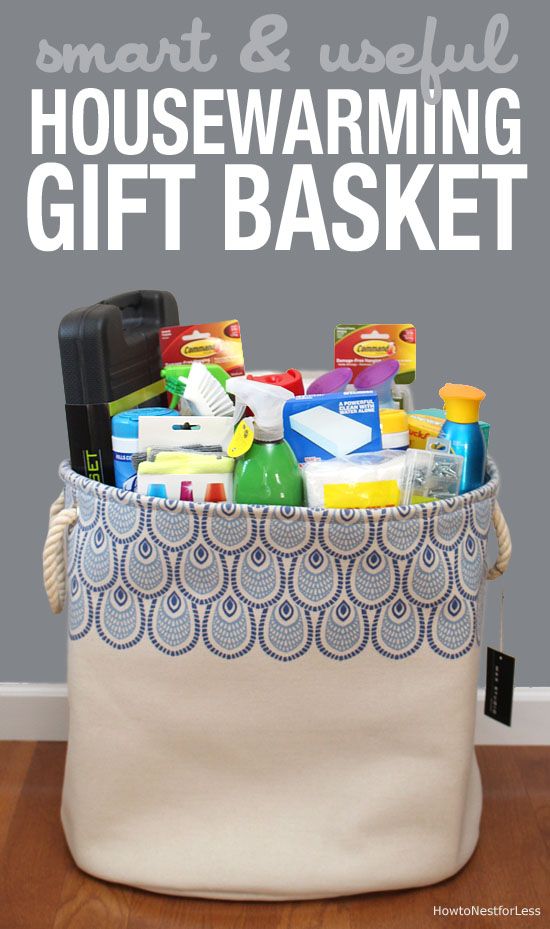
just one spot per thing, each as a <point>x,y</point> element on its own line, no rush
<point>461,402</point>
<point>393,421</point>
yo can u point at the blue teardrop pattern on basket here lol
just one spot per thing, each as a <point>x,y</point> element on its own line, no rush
<point>449,525</point>
<point>229,630</point>
<point>119,618</point>
<point>342,631</point>
<point>230,529</point>
<point>89,509</point>
<point>398,629</point>
<point>202,573</point>
<point>403,536</point>
<point>428,578</point>
<point>74,542</point>
<point>471,558</point>
<point>285,631</point>
<point>258,577</point>
<point>284,531</point>
<point>480,517</point>
<point>345,533</point>
<point>372,579</point>
<point>171,528</point>
<point>122,522</point>
<point>79,608</point>
<point>98,562</point>
<point>315,579</point>
<point>145,569</point>
<point>230,578</point>
<point>451,630</point>
<point>173,625</point>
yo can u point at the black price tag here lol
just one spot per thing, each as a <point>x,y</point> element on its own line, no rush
<point>499,687</point>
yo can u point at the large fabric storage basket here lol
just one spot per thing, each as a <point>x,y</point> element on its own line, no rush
<point>271,703</point>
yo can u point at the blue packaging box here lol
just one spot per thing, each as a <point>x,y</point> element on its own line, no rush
<point>332,425</point>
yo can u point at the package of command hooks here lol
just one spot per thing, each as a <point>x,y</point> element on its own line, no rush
<point>325,426</point>
<point>360,346</point>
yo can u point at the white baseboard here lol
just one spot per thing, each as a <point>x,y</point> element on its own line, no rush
<point>39,712</point>
<point>530,719</point>
<point>34,712</point>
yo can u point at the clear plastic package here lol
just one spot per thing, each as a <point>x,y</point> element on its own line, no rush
<point>372,479</point>
<point>431,473</point>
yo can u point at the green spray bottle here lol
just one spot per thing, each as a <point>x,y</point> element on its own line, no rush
<point>266,471</point>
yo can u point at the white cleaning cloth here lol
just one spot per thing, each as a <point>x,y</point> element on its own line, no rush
<point>356,469</point>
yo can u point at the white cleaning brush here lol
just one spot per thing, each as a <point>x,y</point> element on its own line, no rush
<point>205,393</point>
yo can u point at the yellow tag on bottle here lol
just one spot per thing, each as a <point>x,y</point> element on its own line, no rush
<point>242,440</point>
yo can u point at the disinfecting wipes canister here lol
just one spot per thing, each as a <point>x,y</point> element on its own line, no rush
<point>125,433</point>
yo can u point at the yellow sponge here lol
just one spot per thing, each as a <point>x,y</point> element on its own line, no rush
<point>361,495</point>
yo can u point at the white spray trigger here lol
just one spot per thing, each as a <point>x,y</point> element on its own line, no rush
<point>266,401</point>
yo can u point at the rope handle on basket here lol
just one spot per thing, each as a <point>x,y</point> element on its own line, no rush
<point>54,568</point>
<point>504,544</point>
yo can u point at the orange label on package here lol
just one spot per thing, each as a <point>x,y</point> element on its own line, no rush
<point>422,428</point>
<point>357,346</point>
<point>210,343</point>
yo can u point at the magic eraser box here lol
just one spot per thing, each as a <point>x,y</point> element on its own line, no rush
<point>332,425</point>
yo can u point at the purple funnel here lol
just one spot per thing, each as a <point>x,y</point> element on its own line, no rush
<point>377,374</point>
<point>331,382</point>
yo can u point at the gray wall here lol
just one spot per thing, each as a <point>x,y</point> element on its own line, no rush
<point>481,316</point>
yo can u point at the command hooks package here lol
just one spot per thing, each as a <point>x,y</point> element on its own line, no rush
<point>210,343</point>
<point>359,346</point>
<point>332,425</point>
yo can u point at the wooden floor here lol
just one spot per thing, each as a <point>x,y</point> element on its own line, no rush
<point>42,889</point>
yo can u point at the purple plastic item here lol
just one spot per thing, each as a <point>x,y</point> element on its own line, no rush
<point>186,490</point>
<point>331,382</point>
<point>377,374</point>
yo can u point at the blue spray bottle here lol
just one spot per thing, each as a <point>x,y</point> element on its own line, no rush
<point>462,428</point>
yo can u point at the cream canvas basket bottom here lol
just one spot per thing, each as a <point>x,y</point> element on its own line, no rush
<point>270,703</point>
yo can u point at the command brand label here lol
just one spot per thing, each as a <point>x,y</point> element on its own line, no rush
<point>374,348</point>
<point>200,348</point>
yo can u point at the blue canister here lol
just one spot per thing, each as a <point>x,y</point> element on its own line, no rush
<point>125,434</point>
<point>463,431</point>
